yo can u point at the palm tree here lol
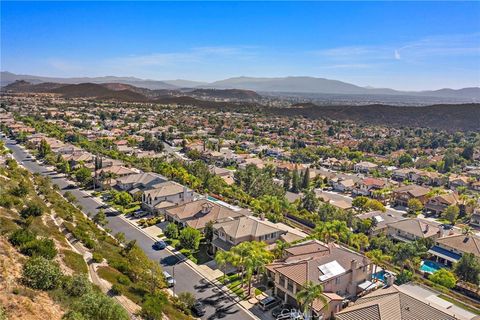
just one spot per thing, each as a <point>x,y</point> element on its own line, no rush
<point>309,293</point>
<point>468,231</point>
<point>238,255</point>
<point>256,260</point>
<point>222,258</point>
<point>377,257</point>
<point>280,248</point>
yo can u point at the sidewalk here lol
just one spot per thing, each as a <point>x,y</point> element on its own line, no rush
<point>204,271</point>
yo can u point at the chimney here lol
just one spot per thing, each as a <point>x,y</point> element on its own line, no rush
<point>441,232</point>
<point>354,264</point>
<point>206,207</point>
<point>262,216</point>
<point>427,227</point>
<point>185,192</point>
<point>389,279</point>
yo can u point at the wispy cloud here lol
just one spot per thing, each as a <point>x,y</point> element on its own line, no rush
<point>434,46</point>
<point>440,46</point>
<point>397,55</point>
<point>197,54</point>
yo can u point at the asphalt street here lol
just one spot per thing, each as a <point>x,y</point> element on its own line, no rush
<point>218,305</point>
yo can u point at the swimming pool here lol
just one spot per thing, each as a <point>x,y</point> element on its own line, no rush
<point>380,276</point>
<point>430,266</point>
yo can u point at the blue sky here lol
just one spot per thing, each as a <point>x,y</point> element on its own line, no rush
<point>403,45</point>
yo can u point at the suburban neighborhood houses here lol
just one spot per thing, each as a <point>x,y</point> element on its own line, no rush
<point>289,220</point>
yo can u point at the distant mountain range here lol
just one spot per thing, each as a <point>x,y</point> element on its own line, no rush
<point>320,85</point>
<point>127,92</point>
<point>295,85</point>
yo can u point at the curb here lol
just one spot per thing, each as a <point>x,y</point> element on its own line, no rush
<point>192,266</point>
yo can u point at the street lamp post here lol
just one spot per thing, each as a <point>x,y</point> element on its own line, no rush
<point>174,282</point>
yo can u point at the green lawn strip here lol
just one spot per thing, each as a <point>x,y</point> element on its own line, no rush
<point>74,261</point>
<point>460,304</point>
<point>234,283</point>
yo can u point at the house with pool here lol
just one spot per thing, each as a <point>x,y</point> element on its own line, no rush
<point>449,250</point>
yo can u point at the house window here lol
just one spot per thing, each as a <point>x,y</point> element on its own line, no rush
<point>290,285</point>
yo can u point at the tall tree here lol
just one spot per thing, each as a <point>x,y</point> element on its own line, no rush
<point>378,258</point>
<point>222,258</point>
<point>306,179</point>
<point>468,268</point>
<point>307,296</point>
<point>295,181</point>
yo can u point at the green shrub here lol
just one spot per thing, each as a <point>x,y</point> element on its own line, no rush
<point>95,305</point>
<point>3,315</point>
<point>404,277</point>
<point>97,257</point>
<point>171,231</point>
<point>40,247</point>
<point>116,289</point>
<point>152,308</point>
<point>33,209</point>
<point>77,285</point>
<point>444,278</point>
<point>40,273</point>
<point>6,201</point>
<point>73,315</point>
<point>190,238</point>
<point>21,236</point>
<point>123,279</point>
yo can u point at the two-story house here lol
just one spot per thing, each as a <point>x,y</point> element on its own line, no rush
<point>449,250</point>
<point>249,228</point>
<point>456,181</point>
<point>403,194</point>
<point>137,182</point>
<point>367,186</point>
<point>413,229</point>
<point>165,195</point>
<point>198,213</point>
<point>365,167</point>
<point>439,203</point>
<point>380,221</point>
<point>342,273</point>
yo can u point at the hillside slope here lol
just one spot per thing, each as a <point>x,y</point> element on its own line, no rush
<point>463,117</point>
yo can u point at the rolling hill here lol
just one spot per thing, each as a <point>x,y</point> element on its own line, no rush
<point>295,85</point>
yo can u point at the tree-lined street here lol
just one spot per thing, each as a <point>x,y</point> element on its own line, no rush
<point>218,305</point>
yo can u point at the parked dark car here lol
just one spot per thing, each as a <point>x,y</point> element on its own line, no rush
<point>269,303</point>
<point>159,245</point>
<point>140,214</point>
<point>198,309</point>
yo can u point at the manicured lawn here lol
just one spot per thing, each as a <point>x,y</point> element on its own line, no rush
<point>234,283</point>
<point>74,261</point>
